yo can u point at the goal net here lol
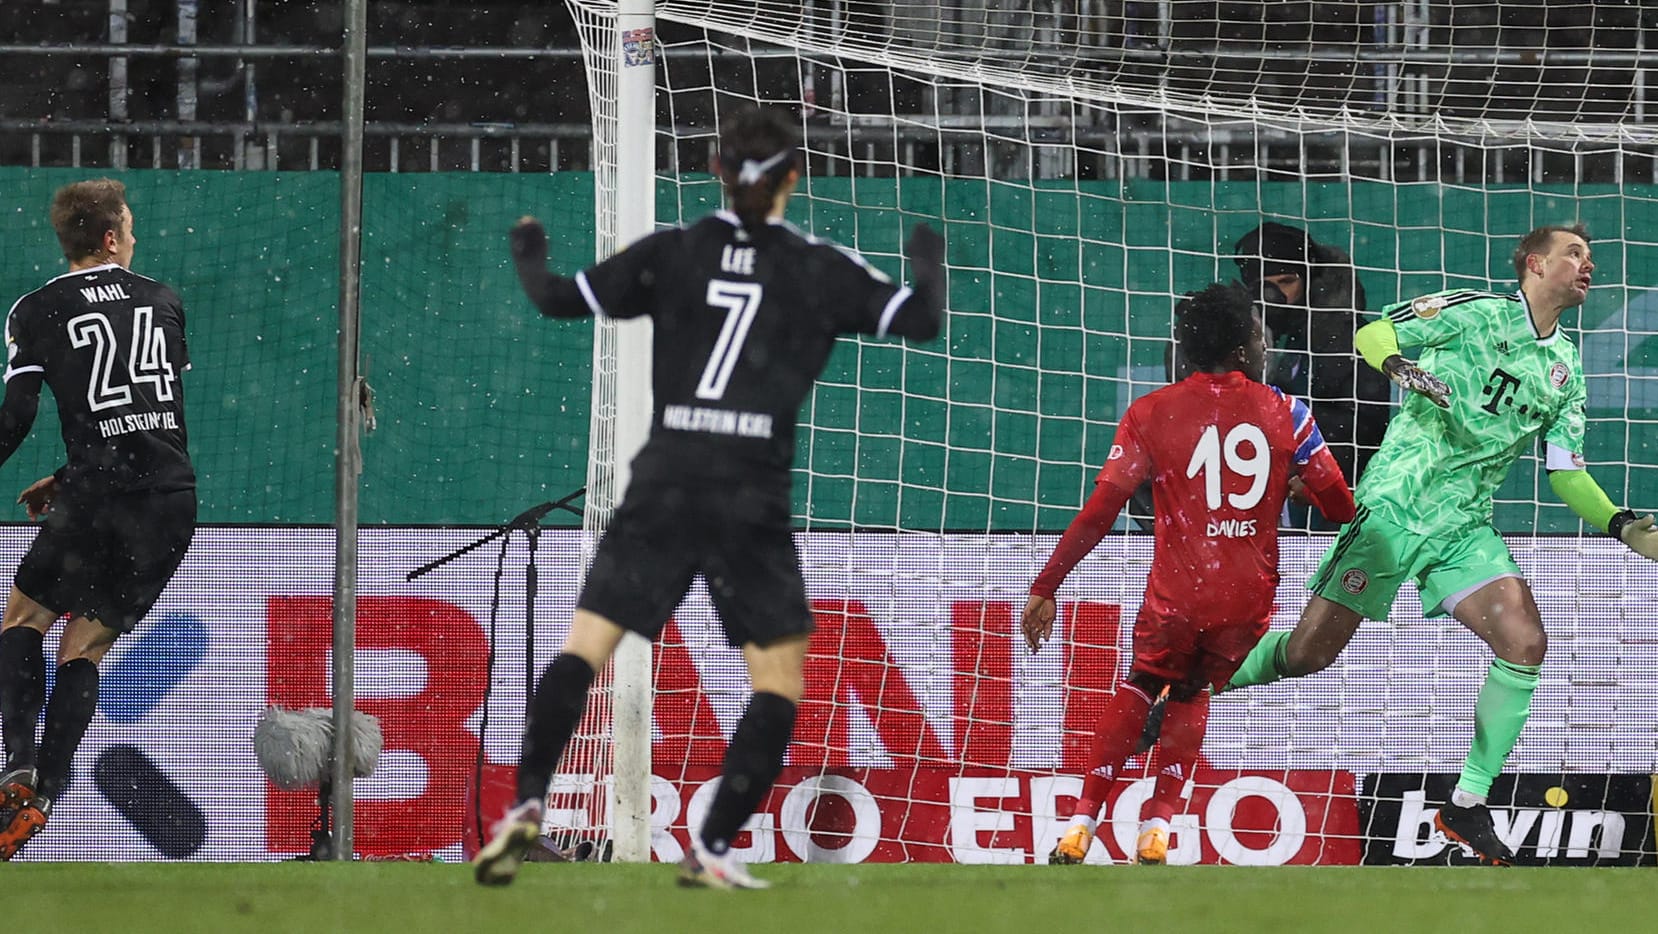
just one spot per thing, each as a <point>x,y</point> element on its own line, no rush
<point>1089,163</point>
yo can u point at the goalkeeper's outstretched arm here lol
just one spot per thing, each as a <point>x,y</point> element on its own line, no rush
<point>1378,343</point>
<point>1580,491</point>
<point>552,295</point>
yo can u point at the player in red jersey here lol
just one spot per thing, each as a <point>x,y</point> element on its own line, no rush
<point>1222,452</point>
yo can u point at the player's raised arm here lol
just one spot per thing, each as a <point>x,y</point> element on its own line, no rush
<point>864,300</point>
<point>1378,343</point>
<point>920,314</point>
<point>553,295</point>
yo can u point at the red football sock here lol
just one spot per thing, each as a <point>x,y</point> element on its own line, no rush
<point>1184,723</point>
<point>1114,740</point>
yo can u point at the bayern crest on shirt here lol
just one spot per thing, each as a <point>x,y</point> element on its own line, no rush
<point>1558,374</point>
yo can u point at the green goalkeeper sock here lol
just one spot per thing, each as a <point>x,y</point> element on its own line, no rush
<point>1499,715</point>
<point>1264,664</point>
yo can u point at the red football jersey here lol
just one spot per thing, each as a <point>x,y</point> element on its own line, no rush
<point>1219,450</point>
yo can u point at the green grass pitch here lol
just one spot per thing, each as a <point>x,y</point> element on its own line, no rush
<point>615,899</point>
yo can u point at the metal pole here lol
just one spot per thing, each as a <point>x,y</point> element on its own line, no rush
<point>189,153</point>
<point>250,87</point>
<point>1187,53</point>
<point>635,217</point>
<point>118,83</point>
<point>239,51</point>
<point>347,454</point>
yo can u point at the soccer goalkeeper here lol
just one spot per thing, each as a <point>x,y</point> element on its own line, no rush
<point>1494,373</point>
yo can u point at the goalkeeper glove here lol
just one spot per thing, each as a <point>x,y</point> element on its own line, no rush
<point>529,241</point>
<point>1636,532</point>
<point>1412,378</point>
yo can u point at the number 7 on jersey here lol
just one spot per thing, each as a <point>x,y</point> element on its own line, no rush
<point>740,300</point>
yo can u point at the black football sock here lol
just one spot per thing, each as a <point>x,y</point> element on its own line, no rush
<point>752,763</point>
<point>74,699</point>
<point>22,691</point>
<point>553,714</point>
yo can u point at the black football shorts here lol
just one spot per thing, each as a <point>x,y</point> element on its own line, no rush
<point>108,558</point>
<point>659,541</point>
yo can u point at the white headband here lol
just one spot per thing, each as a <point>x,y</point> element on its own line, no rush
<point>753,171</point>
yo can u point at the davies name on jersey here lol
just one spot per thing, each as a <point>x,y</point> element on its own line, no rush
<point>1231,528</point>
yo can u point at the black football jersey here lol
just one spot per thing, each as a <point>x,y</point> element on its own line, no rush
<point>110,344</point>
<point>744,323</point>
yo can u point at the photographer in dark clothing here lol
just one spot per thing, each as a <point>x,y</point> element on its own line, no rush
<point>1312,301</point>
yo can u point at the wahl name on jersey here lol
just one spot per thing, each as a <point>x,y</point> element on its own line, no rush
<point>114,292</point>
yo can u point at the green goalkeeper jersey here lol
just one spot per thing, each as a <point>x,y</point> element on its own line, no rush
<point>1438,468</point>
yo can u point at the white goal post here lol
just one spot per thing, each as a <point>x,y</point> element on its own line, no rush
<point>1089,163</point>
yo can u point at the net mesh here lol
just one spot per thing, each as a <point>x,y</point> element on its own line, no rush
<point>1089,164</point>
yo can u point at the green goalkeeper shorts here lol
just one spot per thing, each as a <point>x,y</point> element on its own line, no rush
<point>1372,558</point>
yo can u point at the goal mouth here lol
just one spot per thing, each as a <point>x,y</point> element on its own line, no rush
<point>1082,194</point>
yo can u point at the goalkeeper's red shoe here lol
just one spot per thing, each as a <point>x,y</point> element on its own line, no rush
<point>1073,847</point>
<point>701,868</point>
<point>16,786</point>
<point>499,861</point>
<point>28,820</point>
<point>1472,827</point>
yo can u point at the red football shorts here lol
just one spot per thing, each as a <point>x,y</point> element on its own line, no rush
<point>1193,654</point>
